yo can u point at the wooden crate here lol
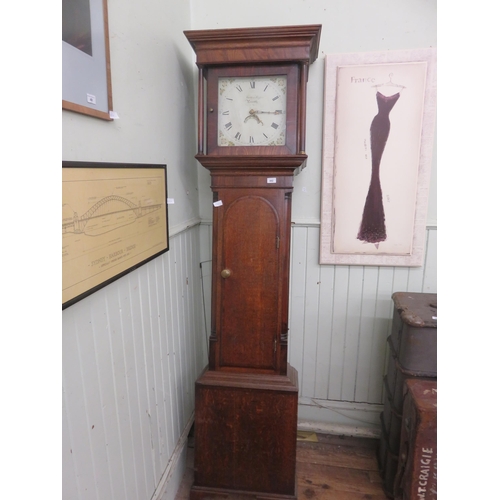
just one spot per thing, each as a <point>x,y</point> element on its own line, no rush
<point>416,478</point>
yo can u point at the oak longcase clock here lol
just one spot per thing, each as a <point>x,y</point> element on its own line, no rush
<point>251,136</point>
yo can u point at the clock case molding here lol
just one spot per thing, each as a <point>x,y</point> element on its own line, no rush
<point>246,400</point>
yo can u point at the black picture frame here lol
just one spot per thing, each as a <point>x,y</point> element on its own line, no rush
<point>114,220</point>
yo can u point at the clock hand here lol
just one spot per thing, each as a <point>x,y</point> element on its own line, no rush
<point>253,115</point>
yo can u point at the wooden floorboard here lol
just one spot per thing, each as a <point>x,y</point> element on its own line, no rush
<point>333,468</point>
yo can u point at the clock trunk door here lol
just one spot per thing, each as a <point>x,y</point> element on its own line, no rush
<point>250,295</point>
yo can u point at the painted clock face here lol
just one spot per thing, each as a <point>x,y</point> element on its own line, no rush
<point>252,111</point>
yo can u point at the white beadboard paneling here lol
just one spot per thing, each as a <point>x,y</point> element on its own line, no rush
<point>206,279</point>
<point>119,444</point>
<point>89,338</point>
<point>430,275</point>
<point>142,332</point>
<point>367,338</point>
<point>351,340</point>
<point>174,425</point>
<point>131,352</point>
<point>176,345</point>
<point>121,368</point>
<point>139,399</point>
<point>382,323</point>
<point>338,331</point>
<point>168,369</point>
<point>325,318</point>
<point>298,257</point>
<point>70,481</point>
<point>415,279</point>
<point>75,403</point>
<point>167,443</point>
<point>136,482</point>
<point>310,307</point>
<point>153,362</point>
<point>400,279</point>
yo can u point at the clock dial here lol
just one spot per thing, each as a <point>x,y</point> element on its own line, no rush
<point>252,111</point>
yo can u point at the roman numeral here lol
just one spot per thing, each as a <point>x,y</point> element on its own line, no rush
<point>251,140</point>
<point>252,85</point>
<point>266,88</point>
<point>275,125</point>
<point>277,97</point>
<point>238,88</point>
<point>225,112</point>
<point>265,135</point>
<point>237,136</point>
<point>228,125</point>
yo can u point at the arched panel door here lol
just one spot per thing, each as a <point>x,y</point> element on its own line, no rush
<point>250,294</point>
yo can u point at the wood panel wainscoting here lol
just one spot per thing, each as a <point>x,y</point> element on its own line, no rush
<point>329,467</point>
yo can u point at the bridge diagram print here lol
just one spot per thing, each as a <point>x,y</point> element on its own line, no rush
<point>108,214</point>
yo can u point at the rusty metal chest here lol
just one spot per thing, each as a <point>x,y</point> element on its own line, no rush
<point>414,332</point>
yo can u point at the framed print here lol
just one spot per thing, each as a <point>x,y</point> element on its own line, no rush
<point>377,157</point>
<point>114,219</point>
<point>86,73</point>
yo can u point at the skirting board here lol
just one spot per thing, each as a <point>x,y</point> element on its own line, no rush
<point>171,478</point>
<point>339,417</point>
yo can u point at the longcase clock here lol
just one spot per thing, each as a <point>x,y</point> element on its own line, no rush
<point>251,137</point>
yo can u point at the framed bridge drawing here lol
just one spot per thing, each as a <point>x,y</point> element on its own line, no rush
<point>377,157</point>
<point>114,219</point>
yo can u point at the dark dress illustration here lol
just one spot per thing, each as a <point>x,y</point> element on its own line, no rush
<point>372,228</point>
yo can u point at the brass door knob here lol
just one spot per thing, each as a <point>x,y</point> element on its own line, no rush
<point>225,273</point>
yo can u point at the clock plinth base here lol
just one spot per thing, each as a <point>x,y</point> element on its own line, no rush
<point>245,436</point>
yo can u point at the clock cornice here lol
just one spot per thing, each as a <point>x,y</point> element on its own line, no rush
<point>270,44</point>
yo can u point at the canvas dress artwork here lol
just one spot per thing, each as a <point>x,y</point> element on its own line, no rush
<point>373,166</point>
